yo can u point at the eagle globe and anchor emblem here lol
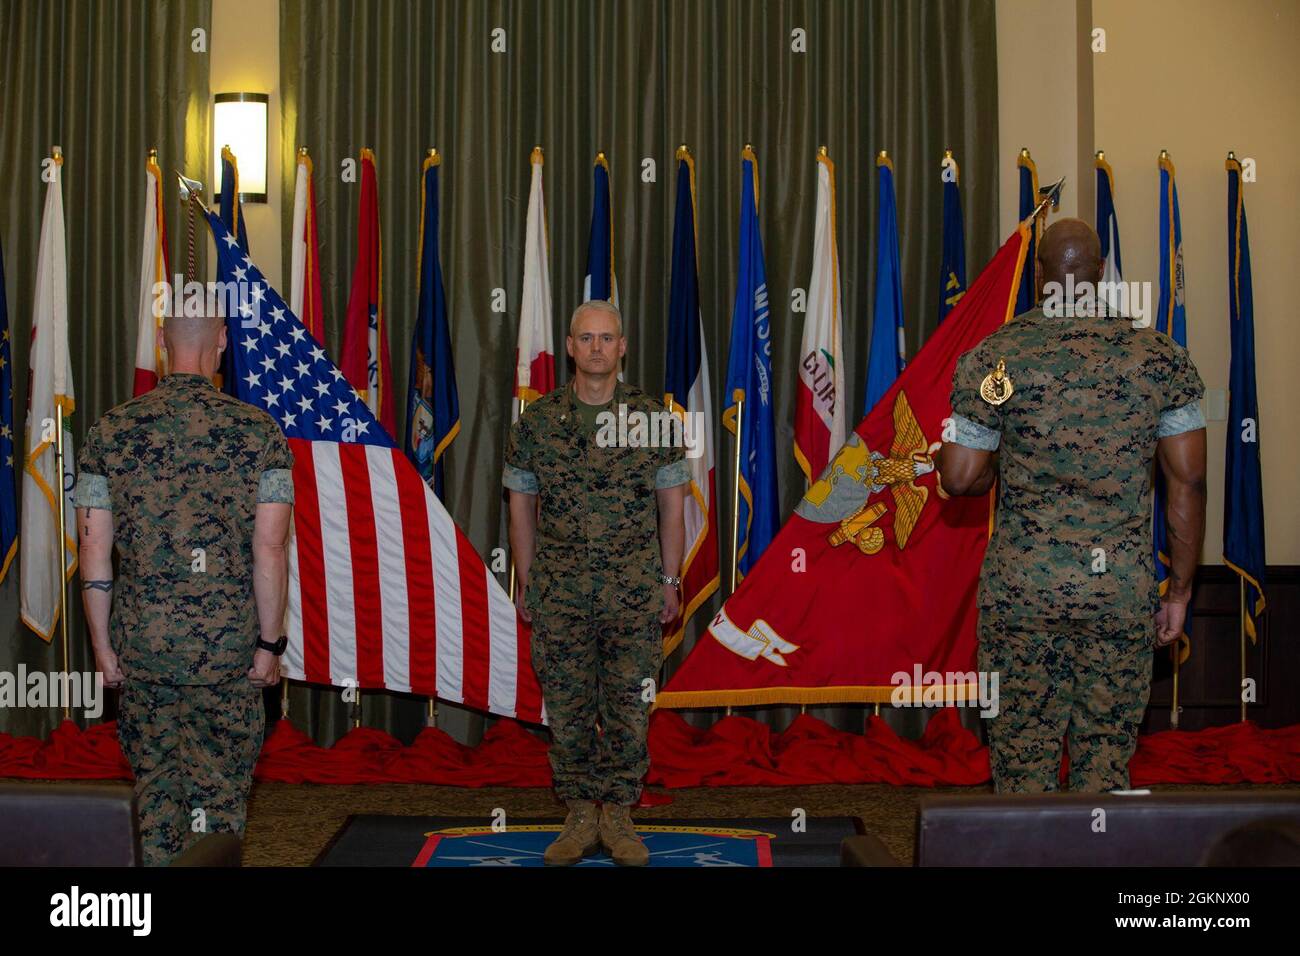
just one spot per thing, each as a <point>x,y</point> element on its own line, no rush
<point>842,495</point>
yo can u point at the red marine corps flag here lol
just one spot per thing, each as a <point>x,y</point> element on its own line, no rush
<point>876,571</point>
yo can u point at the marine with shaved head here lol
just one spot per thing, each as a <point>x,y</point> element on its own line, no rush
<point>1065,410</point>
<point>195,489</point>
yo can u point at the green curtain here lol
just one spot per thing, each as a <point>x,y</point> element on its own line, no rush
<point>634,79</point>
<point>104,81</point>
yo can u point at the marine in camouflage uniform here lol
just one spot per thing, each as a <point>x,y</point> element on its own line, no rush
<point>595,586</point>
<point>1067,593</point>
<point>182,468</point>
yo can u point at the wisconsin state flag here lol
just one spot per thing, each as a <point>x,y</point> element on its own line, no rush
<point>876,571</point>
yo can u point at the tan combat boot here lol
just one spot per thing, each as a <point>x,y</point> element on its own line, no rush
<point>619,836</point>
<point>579,837</point>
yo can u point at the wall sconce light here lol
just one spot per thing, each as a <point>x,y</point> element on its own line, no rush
<point>240,122</point>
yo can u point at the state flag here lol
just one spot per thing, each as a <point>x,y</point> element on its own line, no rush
<point>952,270</point>
<point>1171,319</point>
<point>887,354</point>
<point>433,404</point>
<point>1108,231</point>
<point>819,413</point>
<point>689,395</point>
<point>40,576</point>
<point>364,355</point>
<point>535,346</point>
<point>1243,504</point>
<point>155,272</point>
<point>306,299</point>
<point>748,405</point>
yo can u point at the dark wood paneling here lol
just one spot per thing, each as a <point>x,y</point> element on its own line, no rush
<point>1209,682</point>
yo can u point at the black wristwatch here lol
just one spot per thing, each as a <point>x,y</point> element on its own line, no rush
<point>277,648</point>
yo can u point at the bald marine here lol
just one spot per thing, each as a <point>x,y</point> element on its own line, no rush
<point>1069,247</point>
<point>194,343</point>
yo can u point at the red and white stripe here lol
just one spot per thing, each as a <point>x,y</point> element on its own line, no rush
<point>385,592</point>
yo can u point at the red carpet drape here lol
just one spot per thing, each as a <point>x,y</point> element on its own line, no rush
<point>736,751</point>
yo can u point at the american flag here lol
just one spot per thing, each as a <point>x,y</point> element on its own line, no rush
<point>385,591</point>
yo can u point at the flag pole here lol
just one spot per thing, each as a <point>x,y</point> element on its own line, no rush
<point>63,546</point>
<point>1241,623</point>
<point>56,153</point>
<point>735,498</point>
<point>735,503</point>
<point>191,190</point>
<point>1176,650</point>
<point>1050,196</point>
<point>1173,706</point>
<point>433,710</point>
<point>523,403</point>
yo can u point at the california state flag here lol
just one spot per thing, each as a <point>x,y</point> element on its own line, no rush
<point>150,357</point>
<point>875,573</point>
<point>819,403</point>
<point>535,354</point>
<point>51,386</point>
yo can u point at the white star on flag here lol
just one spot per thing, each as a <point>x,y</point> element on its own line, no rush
<point>385,591</point>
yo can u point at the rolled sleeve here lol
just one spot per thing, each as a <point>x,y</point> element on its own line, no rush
<point>275,486</point>
<point>1185,418</point>
<point>966,400</point>
<point>974,435</point>
<point>92,492</point>
<point>276,456</point>
<point>92,489</point>
<point>517,479</point>
<point>673,474</point>
<point>516,475</point>
<point>1185,385</point>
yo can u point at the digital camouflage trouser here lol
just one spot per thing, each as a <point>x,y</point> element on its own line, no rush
<point>1086,680</point>
<point>595,669</point>
<point>192,748</point>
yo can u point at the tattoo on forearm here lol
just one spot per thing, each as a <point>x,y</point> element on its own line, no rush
<point>104,585</point>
